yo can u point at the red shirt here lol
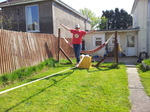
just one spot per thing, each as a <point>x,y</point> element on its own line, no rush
<point>77,36</point>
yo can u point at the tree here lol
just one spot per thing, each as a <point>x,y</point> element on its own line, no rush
<point>102,23</point>
<point>6,22</point>
<point>90,15</point>
<point>117,19</point>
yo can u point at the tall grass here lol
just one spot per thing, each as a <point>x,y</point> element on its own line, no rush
<point>23,73</point>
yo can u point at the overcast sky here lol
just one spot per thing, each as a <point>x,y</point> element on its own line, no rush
<point>97,6</point>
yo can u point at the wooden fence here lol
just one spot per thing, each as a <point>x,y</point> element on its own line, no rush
<point>21,49</point>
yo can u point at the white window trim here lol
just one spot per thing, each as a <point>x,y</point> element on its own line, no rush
<point>98,36</point>
<point>38,19</point>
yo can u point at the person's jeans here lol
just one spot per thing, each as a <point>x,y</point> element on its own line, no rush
<point>77,49</point>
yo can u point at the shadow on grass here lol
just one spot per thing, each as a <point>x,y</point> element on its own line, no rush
<point>90,70</point>
<point>61,74</point>
<point>98,69</point>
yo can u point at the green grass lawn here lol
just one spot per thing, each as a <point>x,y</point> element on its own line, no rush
<point>145,79</point>
<point>76,90</point>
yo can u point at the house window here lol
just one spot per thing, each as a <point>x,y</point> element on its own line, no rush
<point>98,41</point>
<point>32,18</point>
<point>130,41</point>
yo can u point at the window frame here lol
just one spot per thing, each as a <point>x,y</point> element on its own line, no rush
<point>101,39</point>
<point>98,39</point>
<point>38,30</point>
<point>128,43</point>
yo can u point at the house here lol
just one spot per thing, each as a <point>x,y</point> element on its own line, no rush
<point>42,16</point>
<point>141,20</point>
<point>127,39</point>
<point>133,41</point>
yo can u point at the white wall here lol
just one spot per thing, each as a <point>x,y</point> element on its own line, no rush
<point>90,43</point>
<point>122,36</point>
<point>140,16</point>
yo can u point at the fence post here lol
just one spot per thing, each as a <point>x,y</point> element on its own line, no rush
<point>59,32</point>
<point>116,49</point>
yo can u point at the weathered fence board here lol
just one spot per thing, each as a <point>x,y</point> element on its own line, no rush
<point>21,49</point>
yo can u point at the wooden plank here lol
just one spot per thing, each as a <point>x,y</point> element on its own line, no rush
<point>12,53</point>
<point>59,44</point>
<point>1,51</point>
<point>27,57</point>
<point>8,60</point>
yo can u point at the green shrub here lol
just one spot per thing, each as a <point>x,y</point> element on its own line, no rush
<point>28,71</point>
<point>147,61</point>
<point>142,68</point>
<point>11,77</point>
<point>3,78</point>
<point>34,68</point>
<point>40,66</point>
<point>51,62</point>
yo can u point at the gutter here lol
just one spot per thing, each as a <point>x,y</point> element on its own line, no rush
<point>148,27</point>
<point>134,6</point>
<point>119,30</point>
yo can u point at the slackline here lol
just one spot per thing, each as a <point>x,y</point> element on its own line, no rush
<point>34,81</point>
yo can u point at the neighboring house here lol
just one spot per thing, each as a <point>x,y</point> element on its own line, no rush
<point>141,19</point>
<point>43,16</point>
<point>127,40</point>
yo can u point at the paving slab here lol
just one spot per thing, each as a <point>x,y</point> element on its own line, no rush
<point>139,99</point>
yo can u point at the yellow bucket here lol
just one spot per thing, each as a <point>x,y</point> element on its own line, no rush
<point>86,62</point>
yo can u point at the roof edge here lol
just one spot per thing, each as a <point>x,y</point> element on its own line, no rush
<point>120,30</point>
<point>7,4</point>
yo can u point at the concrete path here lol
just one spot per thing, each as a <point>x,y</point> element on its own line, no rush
<point>139,100</point>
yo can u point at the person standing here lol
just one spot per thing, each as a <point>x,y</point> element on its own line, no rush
<point>77,39</point>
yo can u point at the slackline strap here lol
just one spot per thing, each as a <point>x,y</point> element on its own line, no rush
<point>34,81</point>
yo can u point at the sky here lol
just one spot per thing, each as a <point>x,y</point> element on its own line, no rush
<point>97,6</point>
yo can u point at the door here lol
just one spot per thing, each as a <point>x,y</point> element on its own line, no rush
<point>131,49</point>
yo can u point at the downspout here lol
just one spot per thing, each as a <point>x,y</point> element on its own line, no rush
<point>53,18</point>
<point>148,29</point>
<point>1,19</point>
<point>86,22</point>
<point>18,19</point>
